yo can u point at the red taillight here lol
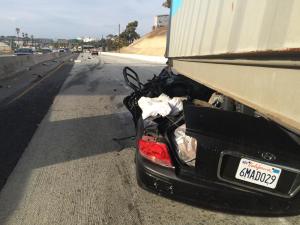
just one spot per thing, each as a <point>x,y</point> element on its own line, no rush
<point>155,151</point>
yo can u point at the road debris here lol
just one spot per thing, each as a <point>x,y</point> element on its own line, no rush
<point>162,105</point>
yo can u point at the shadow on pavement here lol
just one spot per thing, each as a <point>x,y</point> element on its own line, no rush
<point>55,145</point>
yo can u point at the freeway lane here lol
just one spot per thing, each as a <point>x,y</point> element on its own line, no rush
<point>74,172</point>
<point>24,106</point>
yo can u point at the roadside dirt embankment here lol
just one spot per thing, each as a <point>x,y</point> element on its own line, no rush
<point>153,43</point>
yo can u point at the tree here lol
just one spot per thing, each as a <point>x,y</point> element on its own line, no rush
<point>114,42</point>
<point>129,34</point>
<point>111,36</point>
<point>167,4</point>
<point>102,42</point>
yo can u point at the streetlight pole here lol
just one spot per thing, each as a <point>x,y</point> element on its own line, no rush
<point>18,32</point>
<point>26,37</point>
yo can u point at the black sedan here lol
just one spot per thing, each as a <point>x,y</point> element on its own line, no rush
<point>239,161</point>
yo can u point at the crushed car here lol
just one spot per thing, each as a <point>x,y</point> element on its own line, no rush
<point>198,146</point>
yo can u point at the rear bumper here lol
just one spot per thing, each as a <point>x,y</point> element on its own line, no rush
<point>211,195</point>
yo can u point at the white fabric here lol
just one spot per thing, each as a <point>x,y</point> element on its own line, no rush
<point>162,105</point>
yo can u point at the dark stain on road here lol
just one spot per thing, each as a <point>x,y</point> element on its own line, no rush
<point>120,105</point>
<point>79,79</point>
<point>93,85</point>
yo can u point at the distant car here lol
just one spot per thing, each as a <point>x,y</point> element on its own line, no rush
<point>23,51</point>
<point>62,50</point>
<point>46,50</point>
<point>95,52</point>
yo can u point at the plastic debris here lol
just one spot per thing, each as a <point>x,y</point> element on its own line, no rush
<point>186,145</point>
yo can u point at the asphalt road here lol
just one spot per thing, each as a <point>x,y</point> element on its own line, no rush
<point>79,166</point>
<point>24,101</point>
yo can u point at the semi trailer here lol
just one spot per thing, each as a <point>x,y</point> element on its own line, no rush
<point>247,50</point>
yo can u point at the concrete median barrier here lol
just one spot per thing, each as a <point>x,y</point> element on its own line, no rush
<point>12,64</point>
<point>147,58</point>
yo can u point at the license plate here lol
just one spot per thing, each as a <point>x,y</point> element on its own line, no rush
<point>258,173</point>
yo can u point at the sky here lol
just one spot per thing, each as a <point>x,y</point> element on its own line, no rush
<point>76,18</point>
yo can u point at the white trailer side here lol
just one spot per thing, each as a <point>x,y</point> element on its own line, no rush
<point>247,50</point>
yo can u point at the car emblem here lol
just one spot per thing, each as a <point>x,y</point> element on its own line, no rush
<point>268,156</point>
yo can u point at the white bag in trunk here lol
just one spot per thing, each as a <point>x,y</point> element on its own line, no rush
<point>186,145</point>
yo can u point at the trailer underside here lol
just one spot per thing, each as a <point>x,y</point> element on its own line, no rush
<point>272,88</point>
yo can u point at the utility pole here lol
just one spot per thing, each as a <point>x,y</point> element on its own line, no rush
<point>119,37</point>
